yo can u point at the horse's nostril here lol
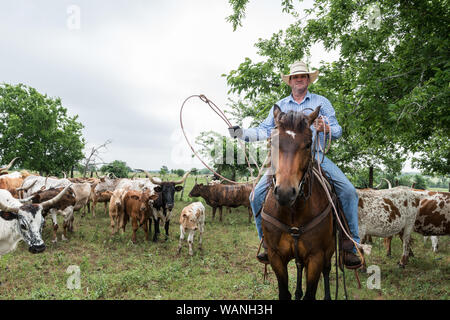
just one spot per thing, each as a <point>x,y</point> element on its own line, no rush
<point>293,191</point>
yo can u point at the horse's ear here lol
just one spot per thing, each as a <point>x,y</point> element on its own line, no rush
<point>277,113</point>
<point>312,116</point>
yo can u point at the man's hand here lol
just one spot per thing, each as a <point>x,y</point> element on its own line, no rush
<point>235,131</point>
<point>320,126</point>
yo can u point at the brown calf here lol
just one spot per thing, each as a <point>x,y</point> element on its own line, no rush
<point>116,209</point>
<point>138,206</point>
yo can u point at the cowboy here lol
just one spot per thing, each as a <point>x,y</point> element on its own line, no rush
<point>301,99</point>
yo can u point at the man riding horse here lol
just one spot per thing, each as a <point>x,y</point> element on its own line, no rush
<point>302,100</point>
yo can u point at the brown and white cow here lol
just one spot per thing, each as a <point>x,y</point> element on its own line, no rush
<point>101,191</point>
<point>385,213</point>
<point>192,217</point>
<point>137,206</point>
<point>433,215</point>
<point>64,206</point>
<point>36,187</point>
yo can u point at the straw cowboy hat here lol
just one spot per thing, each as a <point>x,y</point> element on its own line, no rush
<point>299,67</point>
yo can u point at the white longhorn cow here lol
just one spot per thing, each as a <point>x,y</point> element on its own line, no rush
<point>20,221</point>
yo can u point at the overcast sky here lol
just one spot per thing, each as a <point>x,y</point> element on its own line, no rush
<point>125,67</point>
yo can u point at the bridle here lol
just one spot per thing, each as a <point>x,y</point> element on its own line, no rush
<point>307,176</point>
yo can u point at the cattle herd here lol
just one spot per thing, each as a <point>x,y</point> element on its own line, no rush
<point>27,199</point>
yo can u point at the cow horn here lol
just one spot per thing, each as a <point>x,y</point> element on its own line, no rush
<point>54,200</point>
<point>9,165</point>
<point>8,209</point>
<point>388,182</point>
<point>27,188</point>
<point>150,177</point>
<point>26,200</point>
<point>182,180</point>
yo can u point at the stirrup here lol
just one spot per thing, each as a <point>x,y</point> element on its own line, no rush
<point>262,257</point>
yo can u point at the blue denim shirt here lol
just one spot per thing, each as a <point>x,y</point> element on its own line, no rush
<point>311,100</point>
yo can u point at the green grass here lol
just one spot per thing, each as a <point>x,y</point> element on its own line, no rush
<point>112,267</point>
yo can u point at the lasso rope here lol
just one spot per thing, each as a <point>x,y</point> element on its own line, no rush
<point>222,115</point>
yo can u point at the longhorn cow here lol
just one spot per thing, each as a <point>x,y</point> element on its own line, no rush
<point>20,221</point>
<point>164,203</point>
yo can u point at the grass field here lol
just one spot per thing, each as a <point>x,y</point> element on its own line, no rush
<point>226,268</point>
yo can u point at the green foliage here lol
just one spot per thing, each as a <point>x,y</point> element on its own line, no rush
<point>420,182</point>
<point>389,86</point>
<point>37,129</point>
<point>164,170</point>
<point>178,172</point>
<point>118,168</point>
<point>227,155</point>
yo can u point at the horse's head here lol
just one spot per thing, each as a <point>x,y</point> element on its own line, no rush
<point>291,152</point>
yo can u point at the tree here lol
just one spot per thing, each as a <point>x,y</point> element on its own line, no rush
<point>420,182</point>
<point>118,168</point>
<point>164,170</point>
<point>38,129</point>
<point>228,157</point>
<point>91,161</point>
<point>389,85</point>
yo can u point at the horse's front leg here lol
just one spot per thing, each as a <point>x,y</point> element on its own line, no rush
<point>326,281</point>
<point>280,268</point>
<point>314,268</point>
<point>298,290</point>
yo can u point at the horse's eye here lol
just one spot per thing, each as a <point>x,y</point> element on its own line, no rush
<point>308,145</point>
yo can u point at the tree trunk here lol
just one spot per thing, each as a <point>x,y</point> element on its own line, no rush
<point>371,177</point>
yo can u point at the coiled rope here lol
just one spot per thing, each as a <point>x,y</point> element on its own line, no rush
<point>222,115</point>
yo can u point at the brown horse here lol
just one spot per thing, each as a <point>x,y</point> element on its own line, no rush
<point>297,218</point>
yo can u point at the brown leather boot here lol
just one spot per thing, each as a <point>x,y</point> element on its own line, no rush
<point>351,260</point>
<point>263,257</point>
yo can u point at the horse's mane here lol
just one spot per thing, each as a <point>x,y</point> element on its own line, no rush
<point>293,120</point>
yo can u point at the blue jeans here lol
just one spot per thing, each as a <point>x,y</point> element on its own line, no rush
<point>345,191</point>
